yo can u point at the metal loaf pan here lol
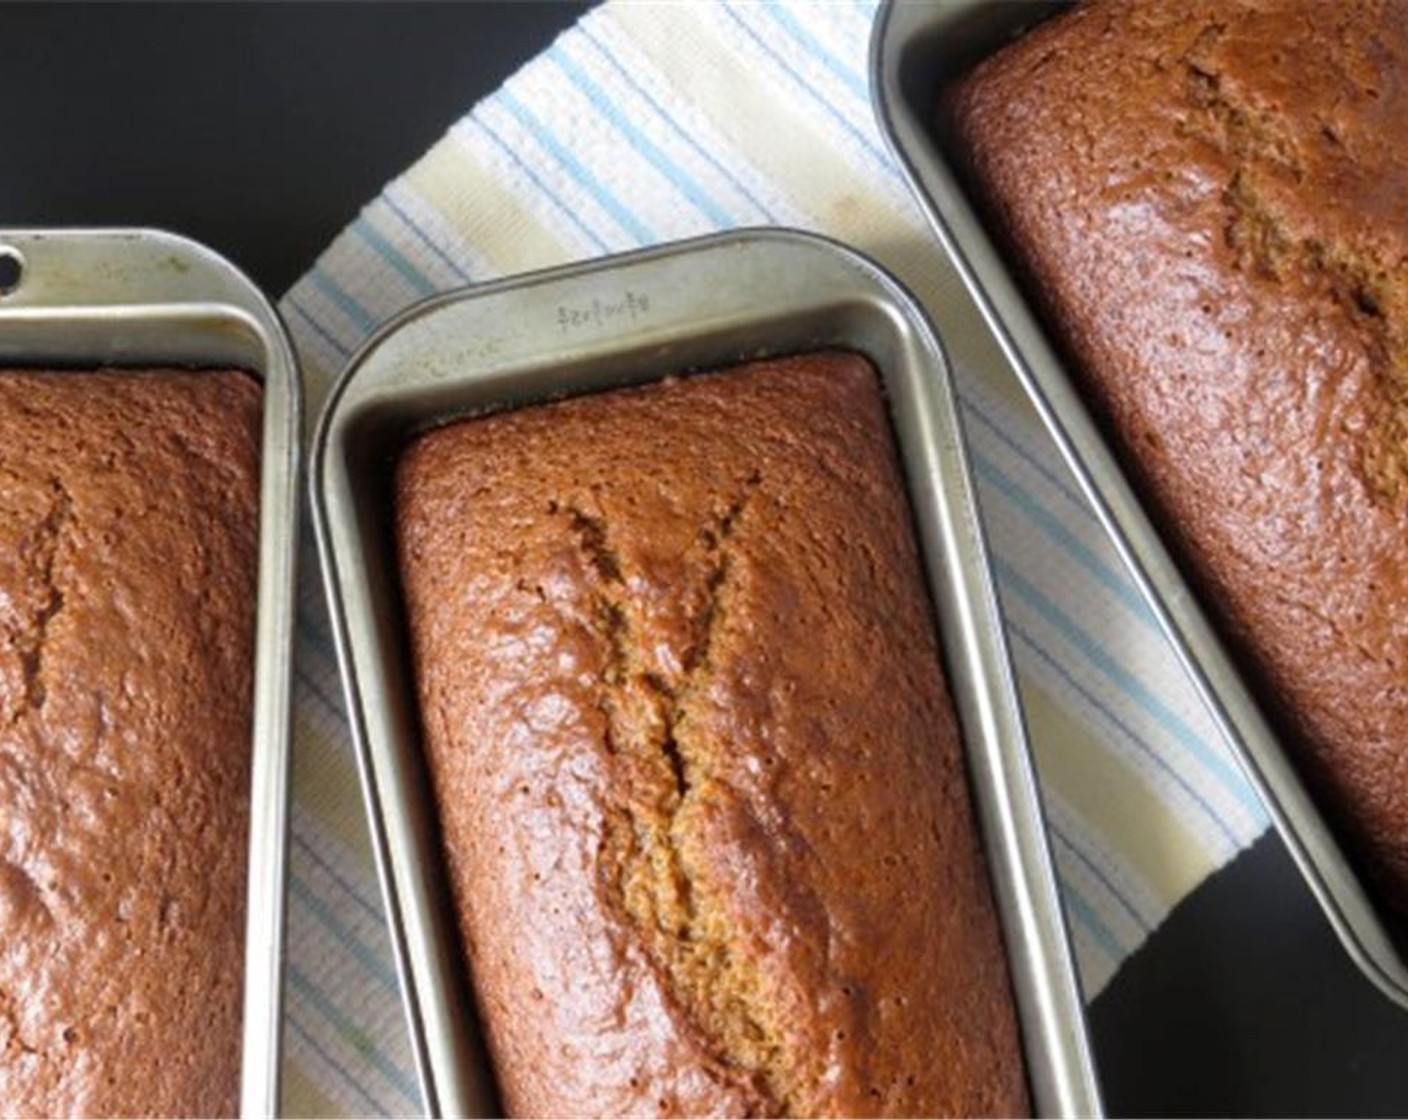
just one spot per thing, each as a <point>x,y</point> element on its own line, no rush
<point>917,49</point>
<point>622,321</point>
<point>89,298</point>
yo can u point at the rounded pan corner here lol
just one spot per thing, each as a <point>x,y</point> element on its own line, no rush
<point>91,269</point>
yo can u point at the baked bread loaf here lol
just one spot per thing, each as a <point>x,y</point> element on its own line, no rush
<point>1209,202</point>
<point>128,536</point>
<point>699,781</point>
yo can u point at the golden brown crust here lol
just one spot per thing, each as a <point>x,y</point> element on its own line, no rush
<point>1211,202</point>
<point>127,563</point>
<point>699,781</point>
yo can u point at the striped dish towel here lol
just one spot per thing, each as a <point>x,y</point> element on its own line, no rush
<point>647,123</point>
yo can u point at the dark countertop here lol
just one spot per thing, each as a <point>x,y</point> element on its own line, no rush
<point>262,129</point>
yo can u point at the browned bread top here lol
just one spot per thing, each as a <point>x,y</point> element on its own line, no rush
<point>128,534</point>
<point>1209,201</point>
<point>699,780</point>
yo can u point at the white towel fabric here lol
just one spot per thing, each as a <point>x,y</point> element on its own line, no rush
<point>647,123</point>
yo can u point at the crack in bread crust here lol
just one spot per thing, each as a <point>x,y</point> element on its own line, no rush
<point>644,863</point>
<point>1371,297</point>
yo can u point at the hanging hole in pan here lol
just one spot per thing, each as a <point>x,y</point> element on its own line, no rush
<point>11,270</point>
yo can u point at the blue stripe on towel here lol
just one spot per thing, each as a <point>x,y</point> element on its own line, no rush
<point>532,177</point>
<point>1152,704</point>
<point>669,121</point>
<point>377,1107</point>
<point>576,169</point>
<point>681,179</point>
